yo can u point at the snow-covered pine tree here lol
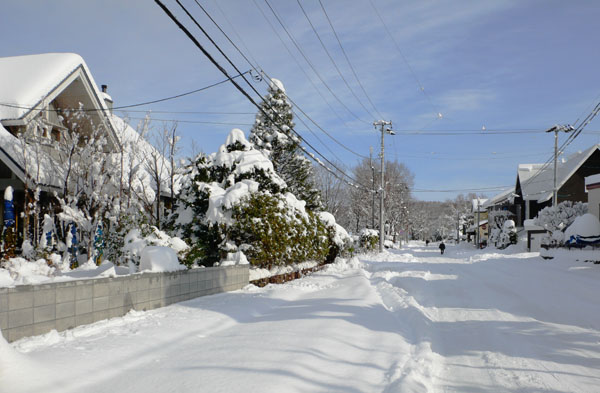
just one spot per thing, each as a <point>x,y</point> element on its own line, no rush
<point>232,202</point>
<point>272,135</point>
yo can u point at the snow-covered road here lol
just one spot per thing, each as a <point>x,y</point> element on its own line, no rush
<point>407,321</point>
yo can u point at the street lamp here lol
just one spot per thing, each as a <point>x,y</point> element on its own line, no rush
<point>556,129</point>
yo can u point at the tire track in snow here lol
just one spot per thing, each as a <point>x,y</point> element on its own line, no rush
<point>416,370</point>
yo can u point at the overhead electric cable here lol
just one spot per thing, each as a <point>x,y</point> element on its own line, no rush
<point>237,86</point>
<point>133,105</point>
<point>349,62</point>
<point>333,61</point>
<point>288,97</point>
<point>412,71</point>
<point>311,64</point>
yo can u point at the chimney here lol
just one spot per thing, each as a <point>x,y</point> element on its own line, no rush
<point>107,99</point>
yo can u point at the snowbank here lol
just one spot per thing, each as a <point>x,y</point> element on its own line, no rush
<point>235,258</point>
<point>585,226</point>
<point>258,273</point>
<point>159,259</point>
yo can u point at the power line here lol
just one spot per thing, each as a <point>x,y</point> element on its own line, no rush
<point>130,105</point>
<point>412,71</point>
<point>288,97</point>
<point>333,61</point>
<point>289,51</point>
<point>192,121</point>
<point>310,63</point>
<point>349,62</point>
<point>237,86</point>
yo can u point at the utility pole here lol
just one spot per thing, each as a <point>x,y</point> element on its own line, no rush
<point>373,190</point>
<point>477,234</point>
<point>384,129</point>
<point>556,129</point>
<point>457,226</point>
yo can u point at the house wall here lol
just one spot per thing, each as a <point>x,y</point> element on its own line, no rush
<point>594,202</point>
<point>28,310</point>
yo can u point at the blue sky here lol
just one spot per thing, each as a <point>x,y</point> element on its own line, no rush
<point>520,66</point>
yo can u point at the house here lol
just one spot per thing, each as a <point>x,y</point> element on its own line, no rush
<point>38,101</point>
<point>535,182</point>
<point>592,187</point>
<point>479,230</point>
<point>535,187</point>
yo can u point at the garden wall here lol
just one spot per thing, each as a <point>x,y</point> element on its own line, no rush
<point>28,310</point>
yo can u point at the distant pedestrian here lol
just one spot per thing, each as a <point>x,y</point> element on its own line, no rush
<point>427,242</point>
<point>442,247</point>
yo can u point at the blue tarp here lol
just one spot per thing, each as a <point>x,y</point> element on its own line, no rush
<point>583,240</point>
<point>9,214</point>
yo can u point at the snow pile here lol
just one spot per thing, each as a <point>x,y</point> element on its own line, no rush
<point>586,226</point>
<point>258,273</point>
<point>235,258</point>
<point>221,201</point>
<point>24,272</point>
<point>342,264</point>
<point>159,259</point>
<point>135,242</point>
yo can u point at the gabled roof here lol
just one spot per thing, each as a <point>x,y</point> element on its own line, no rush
<point>537,181</point>
<point>26,80</point>
<point>29,83</point>
<point>500,198</point>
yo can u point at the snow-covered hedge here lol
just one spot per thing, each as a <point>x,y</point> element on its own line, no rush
<point>555,219</point>
<point>233,201</point>
<point>368,239</point>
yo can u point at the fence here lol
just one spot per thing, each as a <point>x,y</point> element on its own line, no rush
<point>28,310</point>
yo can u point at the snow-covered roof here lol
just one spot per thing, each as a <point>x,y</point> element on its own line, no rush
<point>500,198</point>
<point>26,80</point>
<point>137,149</point>
<point>530,225</point>
<point>537,182</point>
<point>27,85</point>
<point>478,202</point>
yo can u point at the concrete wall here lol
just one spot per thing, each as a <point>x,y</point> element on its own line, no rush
<point>28,310</point>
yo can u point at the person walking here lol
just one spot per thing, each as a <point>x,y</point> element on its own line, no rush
<point>442,247</point>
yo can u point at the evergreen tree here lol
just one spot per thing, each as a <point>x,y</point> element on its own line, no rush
<point>272,134</point>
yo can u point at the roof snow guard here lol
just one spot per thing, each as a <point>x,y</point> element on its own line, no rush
<point>537,182</point>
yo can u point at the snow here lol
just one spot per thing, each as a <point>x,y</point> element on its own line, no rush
<point>23,85</point>
<point>8,194</point>
<point>258,273</point>
<point>276,84</point>
<point>235,258</point>
<point>586,225</point>
<point>404,321</point>
<point>159,259</point>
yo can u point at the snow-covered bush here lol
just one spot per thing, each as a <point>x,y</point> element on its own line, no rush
<point>368,239</point>
<point>503,231</point>
<point>136,241</point>
<point>340,242</point>
<point>277,230</point>
<point>555,219</point>
<point>233,201</point>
